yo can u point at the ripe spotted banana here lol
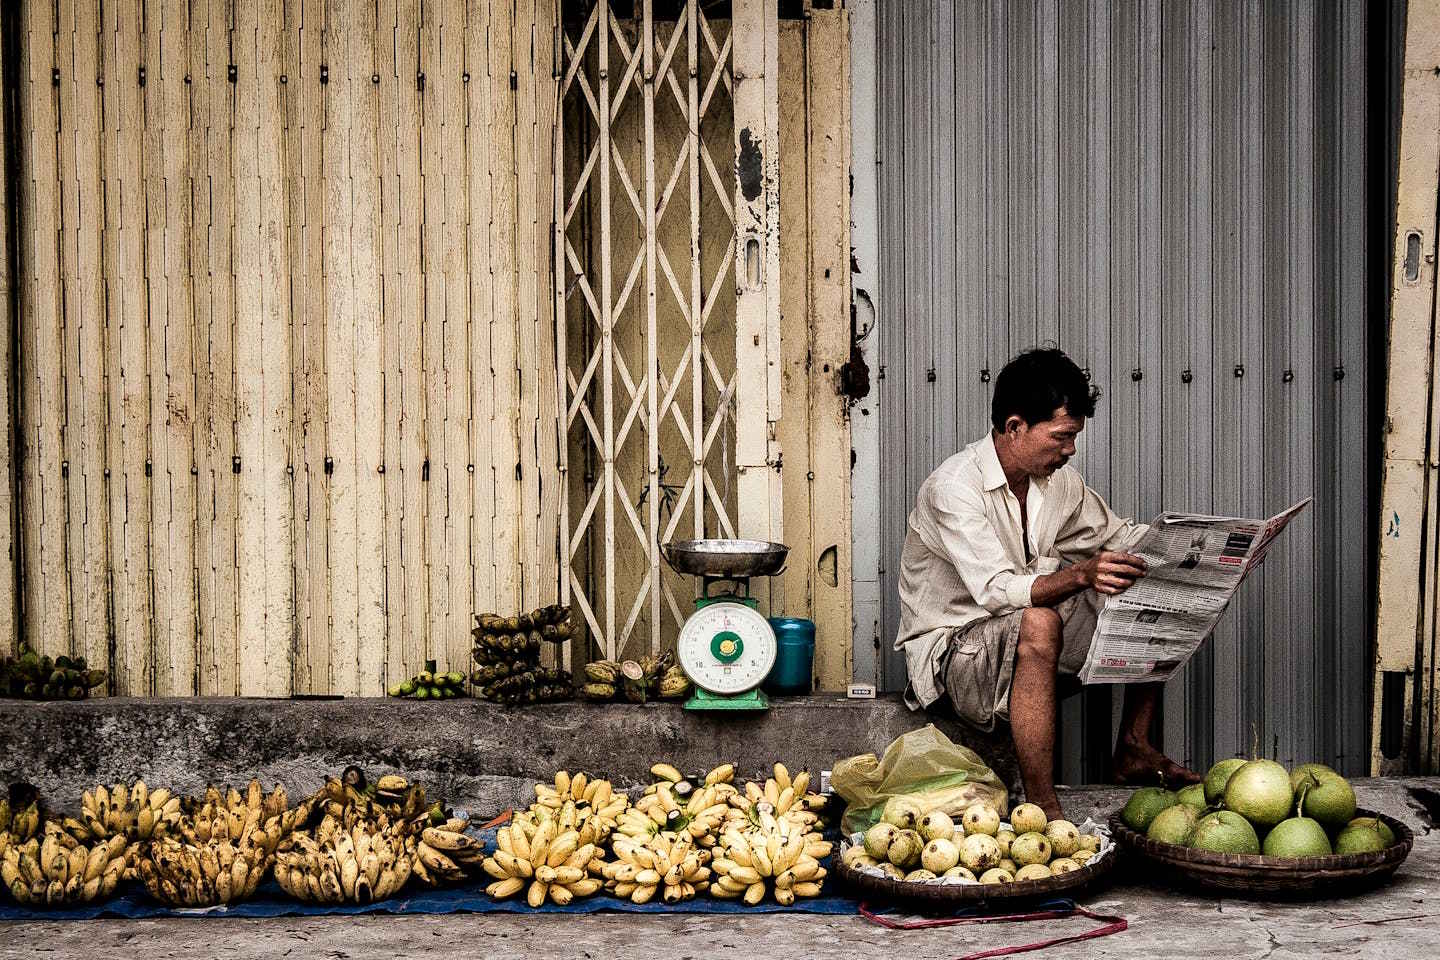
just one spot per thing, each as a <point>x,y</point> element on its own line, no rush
<point>60,870</point>
<point>360,863</point>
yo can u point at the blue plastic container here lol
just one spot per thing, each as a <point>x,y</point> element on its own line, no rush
<point>794,656</point>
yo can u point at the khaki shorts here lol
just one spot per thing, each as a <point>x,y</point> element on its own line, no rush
<point>979,662</point>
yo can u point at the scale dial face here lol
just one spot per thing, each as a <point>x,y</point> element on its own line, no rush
<point>726,647</point>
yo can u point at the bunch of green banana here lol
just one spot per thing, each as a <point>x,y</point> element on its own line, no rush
<point>60,870</point>
<point>258,819</point>
<point>776,856</point>
<point>431,684</point>
<point>671,865</point>
<point>590,807</point>
<point>184,873</point>
<point>446,854</point>
<point>132,810</point>
<point>34,677</point>
<point>546,864</point>
<point>366,862</point>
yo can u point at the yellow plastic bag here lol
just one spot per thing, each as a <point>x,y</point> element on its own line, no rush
<point>923,765</point>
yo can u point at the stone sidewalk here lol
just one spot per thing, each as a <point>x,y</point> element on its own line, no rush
<point>1399,920</point>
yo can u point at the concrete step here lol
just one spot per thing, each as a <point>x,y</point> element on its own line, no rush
<point>476,754</point>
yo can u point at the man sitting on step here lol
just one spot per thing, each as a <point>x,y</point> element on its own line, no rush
<point>1006,557</point>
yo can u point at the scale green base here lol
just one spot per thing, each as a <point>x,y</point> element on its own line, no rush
<point>753,699</point>
<point>749,700</point>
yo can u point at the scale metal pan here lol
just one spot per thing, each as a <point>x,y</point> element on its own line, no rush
<point>725,558</point>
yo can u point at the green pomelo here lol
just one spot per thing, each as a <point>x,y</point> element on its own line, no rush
<point>1260,792</point>
<point>1375,823</point>
<point>1318,769</point>
<point>1360,840</point>
<point>1218,776</point>
<point>1329,799</point>
<point>1143,806</point>
<point>1173,825</point>
<point>1193,796</point>
<point>1225,832</point>
<point>1297,837</point>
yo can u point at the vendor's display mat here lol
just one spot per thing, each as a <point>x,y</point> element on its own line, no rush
<point>271,901</point>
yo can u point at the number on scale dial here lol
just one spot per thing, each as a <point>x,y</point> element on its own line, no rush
<point>727,647</point>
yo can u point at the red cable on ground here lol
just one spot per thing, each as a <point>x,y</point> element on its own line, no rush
<point>1112,925</point>
<point>503,818</point>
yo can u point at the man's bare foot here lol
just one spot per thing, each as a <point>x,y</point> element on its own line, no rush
<point>1138,764</point>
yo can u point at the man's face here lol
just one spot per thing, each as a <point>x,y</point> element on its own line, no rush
<point>1045,447</point>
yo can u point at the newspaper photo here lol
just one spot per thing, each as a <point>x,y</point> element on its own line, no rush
<point>1195,564</point>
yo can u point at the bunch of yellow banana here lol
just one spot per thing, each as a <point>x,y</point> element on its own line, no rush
<point>673,866</point>
<point>258,818</point>
<point>368,862</point>
<point>777,856</point>
<point>785,797</point>
<point>133,811</point>
<point>590,807</point>
<point>21,824</point>
<point>183,873</point>
<point>446,853</point>
<point>543,863</point>
<point>60,870</point>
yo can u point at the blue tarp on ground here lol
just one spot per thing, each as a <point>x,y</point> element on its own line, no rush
<point>271,901</point>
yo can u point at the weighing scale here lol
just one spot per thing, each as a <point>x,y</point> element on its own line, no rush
<point>726,646</point>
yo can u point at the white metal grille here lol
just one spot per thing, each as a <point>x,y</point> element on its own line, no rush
<point>644,246</point>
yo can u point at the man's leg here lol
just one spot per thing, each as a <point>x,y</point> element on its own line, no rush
<point>1032,705</point>
<point>1136,760</point>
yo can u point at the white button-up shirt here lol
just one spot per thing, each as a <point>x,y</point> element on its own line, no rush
<point>964,560</point>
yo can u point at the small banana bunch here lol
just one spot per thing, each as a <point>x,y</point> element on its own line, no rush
<point>185,873</point>
<point>431,684</point>
<point>259,819</point>
<point>543,863</point>
<point>20,824</point>
<point>446,854</point>
<point>134,811</point>
<point>672,865</point>
<point>672,803</point>
<point>778,857</point>
<point>637,680</point>
<point>367,862</point>
<point>60,870</point>
<point>590,807</point>
<point>350,799</point>
<point>785,797</point>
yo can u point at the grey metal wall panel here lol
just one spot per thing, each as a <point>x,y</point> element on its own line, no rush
<point>1172,191</point>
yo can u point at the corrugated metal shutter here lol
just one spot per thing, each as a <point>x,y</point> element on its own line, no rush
<point>1174,194</point>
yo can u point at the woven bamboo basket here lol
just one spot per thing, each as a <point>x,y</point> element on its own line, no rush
<point>1270,878</point>
<point>941,896</point>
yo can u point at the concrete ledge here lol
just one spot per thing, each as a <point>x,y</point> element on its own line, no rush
<point>479,755</point>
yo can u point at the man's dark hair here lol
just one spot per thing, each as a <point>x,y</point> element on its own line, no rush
<point>1037,382</point>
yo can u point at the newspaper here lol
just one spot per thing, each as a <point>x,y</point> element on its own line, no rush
<point>1195,565</point>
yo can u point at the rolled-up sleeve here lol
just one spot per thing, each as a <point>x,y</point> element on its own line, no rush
<point>952,522</point>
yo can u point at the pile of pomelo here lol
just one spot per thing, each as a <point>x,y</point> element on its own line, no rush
<point>1257,807</point>
<point>922,847</point>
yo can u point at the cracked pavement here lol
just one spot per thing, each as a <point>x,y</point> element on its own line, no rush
<point>1401,919</point>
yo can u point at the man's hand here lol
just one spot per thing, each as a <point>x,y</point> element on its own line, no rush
<point>1111,572</point>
